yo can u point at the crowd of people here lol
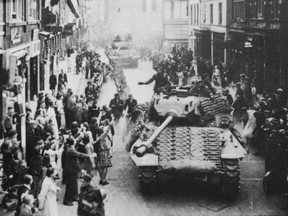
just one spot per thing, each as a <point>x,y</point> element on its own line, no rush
<point>67,137</point>
<point>72,134</point>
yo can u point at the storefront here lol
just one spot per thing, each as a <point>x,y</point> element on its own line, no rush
<point>17,93</point>
<point>51,46</point>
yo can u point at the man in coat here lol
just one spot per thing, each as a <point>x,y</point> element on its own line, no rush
<point>62,75</point>
<point>71,170</point>
<point>90,195</point>
<point>117,105</point>
<point>53,82</point>
<point>130,104</point>
<point>8,121</point>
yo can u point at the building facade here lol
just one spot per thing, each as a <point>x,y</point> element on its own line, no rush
<point>19,56</point>
<point>175,21</point>
<point>248,36</point>
<point>258,41</point>
<point>208,29</point>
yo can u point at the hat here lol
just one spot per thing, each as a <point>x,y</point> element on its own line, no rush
<point>28,109</point>
<point>33,122</point>
<point>279,90</point>
<point>87,177</point>
<point>11,132</point>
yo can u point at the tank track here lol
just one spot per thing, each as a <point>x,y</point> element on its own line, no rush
<point>231,178</point>
<point>198,144</point>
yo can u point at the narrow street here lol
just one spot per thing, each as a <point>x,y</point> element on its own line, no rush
<point>124,196</point>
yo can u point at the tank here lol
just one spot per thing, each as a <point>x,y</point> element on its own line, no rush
<point>181,134</point>
<point>123,54</point>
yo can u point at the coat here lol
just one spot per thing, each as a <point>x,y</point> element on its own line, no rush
<point>47,198</point>
<point>71,160</point>
<point>131,104</point>
<point>53,80</point>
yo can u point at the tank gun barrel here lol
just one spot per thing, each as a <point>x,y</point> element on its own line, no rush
<point>143,148</point>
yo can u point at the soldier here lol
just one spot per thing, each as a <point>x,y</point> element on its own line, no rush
<point>90,199</point>
<point>117,105</point>
<point>161,82</point>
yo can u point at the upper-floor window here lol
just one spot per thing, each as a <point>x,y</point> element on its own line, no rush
<point>33,10</point>
<point>220,12</point>
<point>238,10</point>
<point>211,13</point>
<point>176,9</point>
<point>154,6</point>
<point>144,5</point>
<point>18,10</point>
<point>204,13</point>
<point>191,14</point>
<point>197,16</point>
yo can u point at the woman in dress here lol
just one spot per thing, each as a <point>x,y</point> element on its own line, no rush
<point>47,197</point>
<point>104,156</point>
<point>60,111</point>
<point>88,163</point>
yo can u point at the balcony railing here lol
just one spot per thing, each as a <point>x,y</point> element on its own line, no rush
<point>256,24</point>
<point>263,24</point>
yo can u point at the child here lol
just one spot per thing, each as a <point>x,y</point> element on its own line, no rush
<point>27,208</point>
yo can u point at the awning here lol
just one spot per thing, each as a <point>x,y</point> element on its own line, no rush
<point>44,33</point>
<point>73,7</point>
<point>19,54</point>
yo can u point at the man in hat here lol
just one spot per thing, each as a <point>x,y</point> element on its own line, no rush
<point>53,82</point>
<point>116,105</point>
<point>71,170</point>
<point>90,202</point>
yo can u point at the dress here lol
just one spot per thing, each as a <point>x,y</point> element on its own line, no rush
<point>47,198</point>
<point>104,156</point>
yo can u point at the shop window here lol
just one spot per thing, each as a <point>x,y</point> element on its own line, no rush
<point>18,10</point>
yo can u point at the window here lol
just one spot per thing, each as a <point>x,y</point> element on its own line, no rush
<point>144,6</point>
<point>191,14</point>
<point>18,10</point>
<point>197,16</point>
<point>211,13</point>
<point>167,10</point>
<point>33,10</point>
<point>204,13</point>
<point>238,9</point>
<point>154,5</point>
<point>220,13</point>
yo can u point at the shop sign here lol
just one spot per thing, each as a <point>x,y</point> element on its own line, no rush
<point>179,32</point>
<point>16,34</point>
<point>248,44</point>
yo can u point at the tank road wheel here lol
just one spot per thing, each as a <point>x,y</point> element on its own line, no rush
<point>231,178</point>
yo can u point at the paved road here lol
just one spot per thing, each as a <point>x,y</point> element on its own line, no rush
<point>125,198</point>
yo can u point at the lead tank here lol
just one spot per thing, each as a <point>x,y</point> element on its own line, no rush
<point>123,54</point>
<point>187,135</point>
